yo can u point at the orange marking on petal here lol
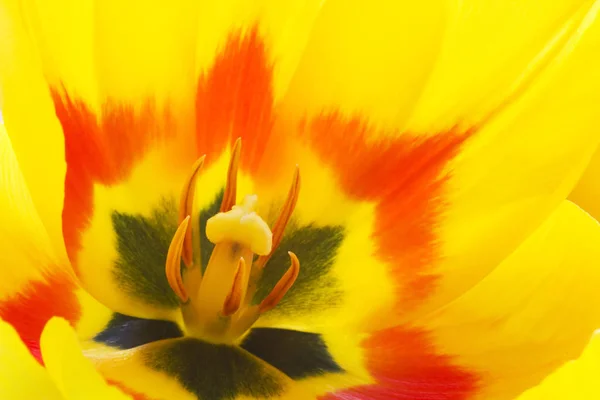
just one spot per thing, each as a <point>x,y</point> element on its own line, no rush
<point>234,99</point>
<point>284,218</point>
<point>282,287</point>
<point>30,309</point>
<point>186,208</point>
<point>173,264</point>
<point>134,395</point>
<point>230,194</point>
<point>406,366</point>
<point>238,289</point>
<point>99,149</point>
<point>404,177</point>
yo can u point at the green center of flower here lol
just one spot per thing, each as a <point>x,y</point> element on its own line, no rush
<point>217,303</point>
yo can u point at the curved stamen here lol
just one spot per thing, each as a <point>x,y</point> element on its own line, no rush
<point>173,265</point>
<point>186,207</point>
<point>282,287</point>
<point>238,289</point>
<point>229,196</point>
<point>284,218</point>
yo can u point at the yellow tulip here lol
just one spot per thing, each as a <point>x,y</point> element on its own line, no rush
<point>317,199</point>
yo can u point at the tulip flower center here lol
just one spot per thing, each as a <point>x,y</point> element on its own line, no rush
<point>218,303</point>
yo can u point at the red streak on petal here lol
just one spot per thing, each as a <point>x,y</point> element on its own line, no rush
<point>30,309</point>
<point>134,395</point>
<point>98,149</point>
<point>404,175</point>
<point>407,367</point>
<point>235,99</point>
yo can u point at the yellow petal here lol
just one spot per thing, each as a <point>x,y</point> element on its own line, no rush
<point>36,283</point>
<point>535,311</point>
<point>371,58</point>
<point>73,374</point>
<point>21,376</point>
<point>79,44</point>
<point>25,240</point>
<point>189,369</point>
<point>587,192</point>
<point>521,164</point>
<point>131,351</point>
<point>577,380</point>
<point>488,47</point>
<point>37,141</point>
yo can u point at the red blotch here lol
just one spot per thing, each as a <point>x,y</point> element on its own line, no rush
<point>99,149</point>
<point>235,99</point>
<point>406,367</point>
<point>404,175</point>
<point>30,309</point>
<point>134,395</point>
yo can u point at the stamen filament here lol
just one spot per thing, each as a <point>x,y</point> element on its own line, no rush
<point>173,264</point>
<point>283,219</point>
<point>229,197</point>
<point>282,287</point>
<point>186,208</point>
<point>238,289</point>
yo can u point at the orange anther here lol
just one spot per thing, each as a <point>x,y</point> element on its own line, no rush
<point>238,289</point>
<point>173,265</point>
<point>282,287</point>
<point>284,218</point>
<point>186,205</point>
